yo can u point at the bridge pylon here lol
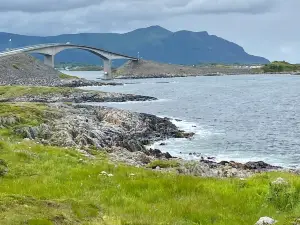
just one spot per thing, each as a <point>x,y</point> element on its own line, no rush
<point>107,69</point>
<point>49,60</point>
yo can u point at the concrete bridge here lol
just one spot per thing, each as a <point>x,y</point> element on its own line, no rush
<point>50,50</point>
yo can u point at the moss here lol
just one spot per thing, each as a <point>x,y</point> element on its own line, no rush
<point>16,66</point>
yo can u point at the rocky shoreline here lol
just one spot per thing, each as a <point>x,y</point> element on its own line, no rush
<point>151,69</point>
<point>78,96</point>
<point>124,135</point>
<point>85,83</point>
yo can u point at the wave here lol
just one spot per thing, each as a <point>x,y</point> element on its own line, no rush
<point>134,102</point>
<point>188,126</point>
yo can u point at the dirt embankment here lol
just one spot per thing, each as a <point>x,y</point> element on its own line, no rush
<point>144,68</point>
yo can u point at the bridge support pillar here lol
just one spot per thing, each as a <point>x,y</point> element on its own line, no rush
<point>49,60</point>
<point>107,69</point>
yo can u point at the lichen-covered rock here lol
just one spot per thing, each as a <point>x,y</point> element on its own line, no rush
<point>8,120</point>
<point>280,181</point>
<point>100,127</point>
<point>265,221</point>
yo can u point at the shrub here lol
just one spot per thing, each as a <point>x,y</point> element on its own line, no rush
<point>283,195</point>
<point>163,164</point>
<point>15,66</point>
<point>3,167</point>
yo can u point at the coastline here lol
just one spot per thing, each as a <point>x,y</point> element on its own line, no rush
<point>258,166</point>
<point>100,151</point>
<point>124,135</point>
<point>201,75</point>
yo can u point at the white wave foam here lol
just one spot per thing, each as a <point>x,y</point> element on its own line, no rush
<point>188,126</point>
<point>136,102</point>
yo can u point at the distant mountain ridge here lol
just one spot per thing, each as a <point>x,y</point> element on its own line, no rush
<point>153,43</point>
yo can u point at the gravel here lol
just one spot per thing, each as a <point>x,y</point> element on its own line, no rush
<point>23,69</point>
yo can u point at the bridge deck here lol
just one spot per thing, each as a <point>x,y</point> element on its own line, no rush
<point>42,46</point>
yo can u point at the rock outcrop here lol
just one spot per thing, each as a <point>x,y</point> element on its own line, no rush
<point>77,96</point>
<point>101,127</point>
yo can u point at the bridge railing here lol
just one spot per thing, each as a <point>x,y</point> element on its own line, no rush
<point>35,47</point>
<point>28,47</point>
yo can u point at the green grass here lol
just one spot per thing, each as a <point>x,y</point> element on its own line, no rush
<point>67,77</point>
<point>54,186</point>
<point>281,66</point>
<point>26,113</point>
<point>19,91</point>
<point>16,66</point>
<point>45,184</point>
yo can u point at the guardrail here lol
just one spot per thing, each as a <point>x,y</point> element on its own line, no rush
<point>34,47</point>
<point>29,47</point>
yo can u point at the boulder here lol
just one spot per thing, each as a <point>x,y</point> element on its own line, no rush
<point>260,165</point>
<point>280,181</point>
<point>265,221</point>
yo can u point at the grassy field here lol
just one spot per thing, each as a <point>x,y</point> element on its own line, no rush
<point>45,185</point>
<point>18,91</point>
<point>281,66</point>
<point>7,92</point>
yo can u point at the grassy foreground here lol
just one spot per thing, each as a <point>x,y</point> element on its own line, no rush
<point>7,92</point>
<point>45,185</point>
<point>19,91</point>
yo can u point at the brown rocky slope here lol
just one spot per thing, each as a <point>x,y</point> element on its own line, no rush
<point>151,69</point>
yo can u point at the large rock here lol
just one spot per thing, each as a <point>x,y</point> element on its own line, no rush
<point>260,165</point>
<point>101,127</point>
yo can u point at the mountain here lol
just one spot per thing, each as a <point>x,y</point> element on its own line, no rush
<point>153,43</point>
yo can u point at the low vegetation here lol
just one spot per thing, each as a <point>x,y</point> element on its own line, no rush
<point>281,66</point>
<point>19,91</point>
<point>67,77</point>
<point>163,164</point>
<point>55,186</point>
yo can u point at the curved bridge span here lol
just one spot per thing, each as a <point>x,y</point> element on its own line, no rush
<point>50,50</point>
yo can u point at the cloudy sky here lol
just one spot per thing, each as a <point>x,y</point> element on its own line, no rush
<point>268,28</point>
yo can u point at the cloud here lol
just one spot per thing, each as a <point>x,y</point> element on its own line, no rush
<point>166,6</point>
<point>261,26</point>
<point>226,6</point>
<point>44,5</point>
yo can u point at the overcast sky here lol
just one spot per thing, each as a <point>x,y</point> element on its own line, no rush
<point>268,28</point>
